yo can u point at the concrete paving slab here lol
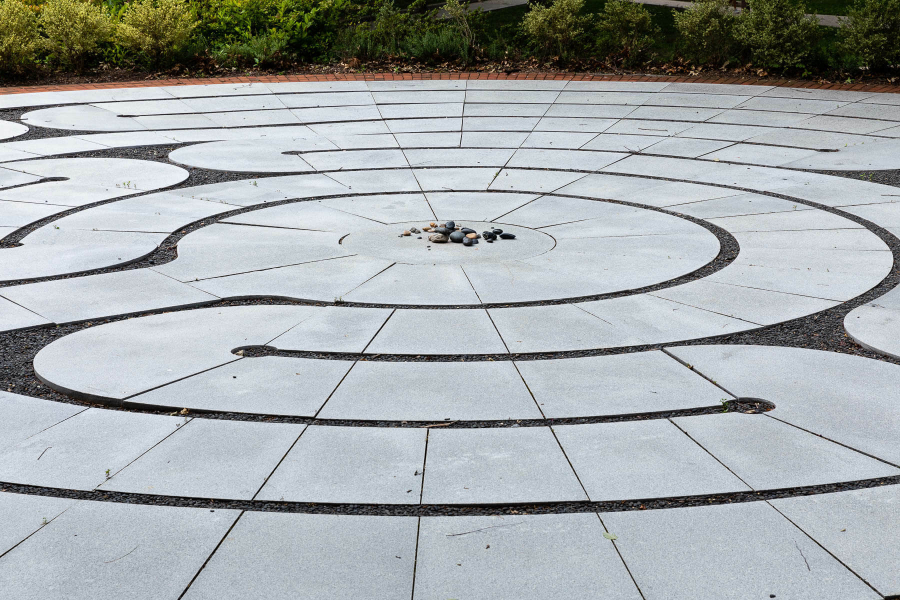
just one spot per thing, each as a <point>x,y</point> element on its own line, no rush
<point>772,557</point>
<point>790,457</point>
<point>432,285</point>
<point>737,205</point>
<point>448,180</point>
<point>845,398</point>
<point>421,110</point>
<point>653,320</point>
<point>360,465</point>
<point>533,181</point>
<point>23,515</point>
<point>857,527</point>
<point>440,391</point>
<point>434,124</point>
<point>685,147</point>
<point>14,316</point>
<point>224,249</point>
<point>562,159</point>
<point>497,466</point>
<point>574,124</point>
<point>317,557</point>
<point>104,295</point>
<point>390,208</point>
<point>355,159</point>
<point>9,129</point>
<point>303,215</point>
<point>555,328</point>
<point>458,157</point>
<point>476,206</point>
<point>874,326</point>
<point>154,213</point>
<point>24,416</point>
<point>534,556</point>
<point>209,458</point>
<point>643,382</point>
<point>250,156</point>
<point>271,385</point>
<point>335,329</point>
<point>492,139</point>
<point>50,251</point>
<point>752,154</point>
<point>410,331</point>
<point>103,550</point>
<point>642,459</point>
<point>763,307</point>
<point>135,355</point>
<point>63,456</point>
<point>324,280</point>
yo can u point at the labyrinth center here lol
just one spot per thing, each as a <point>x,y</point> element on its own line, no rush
<point>237,365</point>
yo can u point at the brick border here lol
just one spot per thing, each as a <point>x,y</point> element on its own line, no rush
<point>859,87</point>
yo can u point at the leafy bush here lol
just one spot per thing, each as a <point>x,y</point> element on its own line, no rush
<point>626,31</point>
<point>871,34</point>
<point>383,36</point>
<point>466,23</point>
<point>557,27</point>
<point>308,26</point>
<point>706,31</point>
<point>442,44</point>
<point>259,51</point>
<point>778,33</point>
<point>158,28</point>
<point>75,29</point>
<point>19,39</point>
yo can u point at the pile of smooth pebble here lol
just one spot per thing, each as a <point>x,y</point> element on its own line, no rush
<point>449,232</point>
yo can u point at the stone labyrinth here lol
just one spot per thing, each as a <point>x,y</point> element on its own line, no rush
<point>228,374</point>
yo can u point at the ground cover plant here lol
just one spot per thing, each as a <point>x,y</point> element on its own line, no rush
<point>42,37</point>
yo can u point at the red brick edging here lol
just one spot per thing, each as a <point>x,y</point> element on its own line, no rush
<point>859,87</point>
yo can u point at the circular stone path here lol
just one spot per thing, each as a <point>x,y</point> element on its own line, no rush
<point>228,374</point>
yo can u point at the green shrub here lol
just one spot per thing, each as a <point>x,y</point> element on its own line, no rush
<point>259,51</point>
<point>706,31</point>
<point>778,34</point>
<point>626,31</point>
<point>307,25</point>
<point>466,23</point>
<point>158,28</point>
<point>75,29</point>
<point>557,27</point>
<point>871,34</point>
<point>382,37</point>
<point>442,44</point>
<point>19,39</point>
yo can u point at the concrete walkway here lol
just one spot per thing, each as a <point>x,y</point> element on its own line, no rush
<point>239,365</point>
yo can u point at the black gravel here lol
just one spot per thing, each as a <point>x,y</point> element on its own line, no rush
<point>450,510</point>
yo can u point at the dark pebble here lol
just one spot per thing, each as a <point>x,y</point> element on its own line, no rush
<point>508,236</point>
<point>457,236</point>
<point>497,231</point>
<point>442,230</point>
<point>450,225</point>
<point>467,241</point>
<point>467,230</point>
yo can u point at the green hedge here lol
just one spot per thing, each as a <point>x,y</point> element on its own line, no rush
<point>37,35</point>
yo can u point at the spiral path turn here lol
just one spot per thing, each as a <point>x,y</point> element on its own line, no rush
<point>229,374</point>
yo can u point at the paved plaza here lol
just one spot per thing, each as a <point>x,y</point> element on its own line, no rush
<point>240,359</point>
